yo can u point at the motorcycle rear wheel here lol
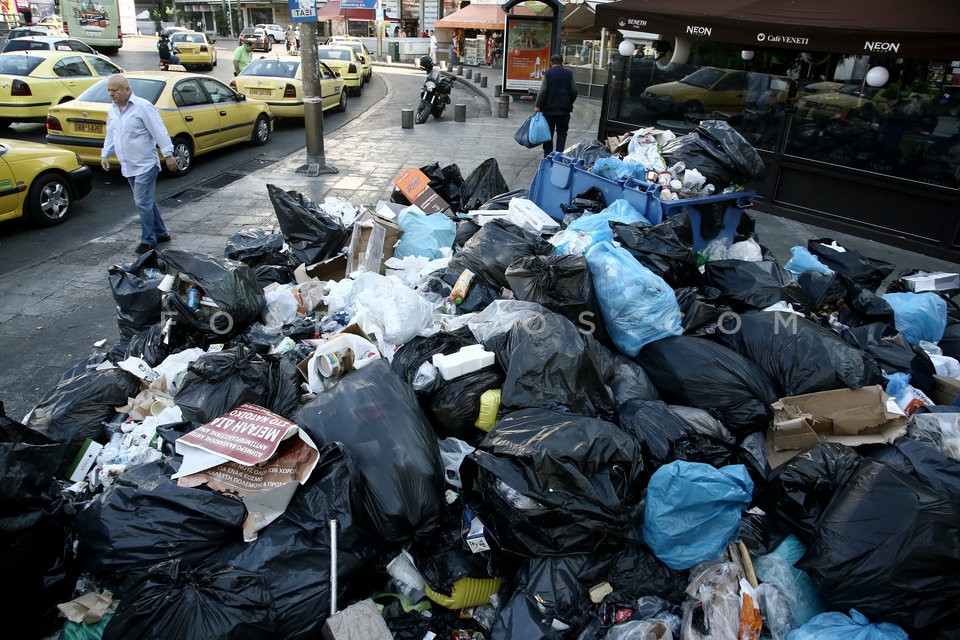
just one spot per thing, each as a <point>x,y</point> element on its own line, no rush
<point>423,112</point>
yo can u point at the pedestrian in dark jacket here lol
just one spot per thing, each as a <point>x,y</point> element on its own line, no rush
<point>555,100</point>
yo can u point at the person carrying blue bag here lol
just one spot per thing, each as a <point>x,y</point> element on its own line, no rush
<point>558,91</point>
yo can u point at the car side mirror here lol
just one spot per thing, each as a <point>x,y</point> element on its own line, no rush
<point>241,97</point>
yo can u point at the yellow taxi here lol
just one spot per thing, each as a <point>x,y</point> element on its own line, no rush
<point>279,82</point>
<point>40,182</point>
<point>194,49</point>
<point>344,60</point>
<point>366,58</point>
<point>710,89</point>
<point>200,113</point>
<point>32,81</point>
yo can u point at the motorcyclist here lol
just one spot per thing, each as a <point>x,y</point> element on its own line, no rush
<point>164,49</point>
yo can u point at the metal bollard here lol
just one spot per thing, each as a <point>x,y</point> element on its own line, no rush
<point>406,118</point>
<point>477,78</point>
<point>468,74</point>
<point>503,107</point>
<point>483,82</point>
<point>460,70</point>
<point>460,113</point>
<point>497,90</point>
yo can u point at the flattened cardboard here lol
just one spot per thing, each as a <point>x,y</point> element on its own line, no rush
<point>372,243</point>
<point>415,185</point>
<point>945,390</point>
<point>334,268</point>
<point>846,416</point>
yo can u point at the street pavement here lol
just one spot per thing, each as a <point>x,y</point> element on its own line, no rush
<point>52,315</point>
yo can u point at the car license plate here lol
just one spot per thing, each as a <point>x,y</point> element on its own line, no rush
<point>259,92</point>
<point>88,127</point>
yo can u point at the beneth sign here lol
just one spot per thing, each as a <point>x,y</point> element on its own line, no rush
<point>303,10</point>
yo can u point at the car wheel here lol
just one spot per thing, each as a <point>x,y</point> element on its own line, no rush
<point>342,106</point>
<point>358,90</point>
<point>271,39</point>
<point>49,200</point>
<point>261,130</point>
<point>691,107</point>
<point>183,154</point>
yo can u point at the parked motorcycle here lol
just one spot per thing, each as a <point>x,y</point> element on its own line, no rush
<point>435,92</point>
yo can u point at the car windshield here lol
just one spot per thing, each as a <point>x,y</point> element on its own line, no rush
<point>854,90</point>
<point>703,78</point>
<point>333,54</point>
<point>247,32</point>
<point>141,87</point>
<point>19,65</point>
<point>272,68</point>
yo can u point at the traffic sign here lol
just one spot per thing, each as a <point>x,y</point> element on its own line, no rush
<point>303,10</point>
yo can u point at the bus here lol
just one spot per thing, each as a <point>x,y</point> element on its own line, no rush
<point>95,23</point>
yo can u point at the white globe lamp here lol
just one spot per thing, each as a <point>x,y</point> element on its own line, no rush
<point>627,48</point>
<point>877,76</point>
<point>746,54</point>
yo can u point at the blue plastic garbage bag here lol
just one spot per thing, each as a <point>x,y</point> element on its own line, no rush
<point>693,511</point>
<point>637,305</point>
<point>617,169</point>
<point>918,316</point>
<point>534,131</point>
<point>596,226</point>
<point>779,568</point>
<point>837,626</point>
<point>802,260</point>
<point>424,235</point>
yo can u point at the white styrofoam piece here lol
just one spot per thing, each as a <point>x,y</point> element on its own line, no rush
<point>526,214</point>
<point>467,360</point>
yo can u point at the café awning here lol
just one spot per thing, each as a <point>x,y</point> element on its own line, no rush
<point>912,29</point>
<point>480,16</point>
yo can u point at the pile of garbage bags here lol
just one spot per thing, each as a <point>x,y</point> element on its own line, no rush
<point>519,428</point>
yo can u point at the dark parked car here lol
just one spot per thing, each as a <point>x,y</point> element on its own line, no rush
<point>261,41</point>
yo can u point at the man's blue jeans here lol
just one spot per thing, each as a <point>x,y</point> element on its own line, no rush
<point>144,196</point>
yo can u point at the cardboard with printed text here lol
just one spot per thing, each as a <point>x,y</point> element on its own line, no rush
<point>250,452</point>
<point>415,185</point>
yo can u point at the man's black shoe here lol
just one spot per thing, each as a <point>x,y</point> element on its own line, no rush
<point>163,239</point>
<point>143,247</point>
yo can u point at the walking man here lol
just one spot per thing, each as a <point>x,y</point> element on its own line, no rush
<point>433,47</point>
<point>134,131</point>
<point>242,56</point>
<point>555,100</point>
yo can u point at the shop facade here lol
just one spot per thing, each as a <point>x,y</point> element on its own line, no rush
<point>854,107</point>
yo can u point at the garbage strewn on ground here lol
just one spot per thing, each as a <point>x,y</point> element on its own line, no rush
<point>594,408</point>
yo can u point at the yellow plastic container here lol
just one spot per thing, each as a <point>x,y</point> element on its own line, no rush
<point>489,405</point>
<point>466,592</point>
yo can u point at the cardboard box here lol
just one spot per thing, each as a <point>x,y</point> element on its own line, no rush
<point>847,416</point>
<point>945,390</point>
<point>354,329</point>
<point>83,463</point>
<point>415,185</point>
<point>372,243</point>
<point>938,281</point>
<point>334,268</point>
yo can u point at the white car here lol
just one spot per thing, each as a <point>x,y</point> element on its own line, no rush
<point>275,32</point>
<point>48,43</point>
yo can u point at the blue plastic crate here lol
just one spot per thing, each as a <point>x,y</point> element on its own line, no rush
<point>561,178</point>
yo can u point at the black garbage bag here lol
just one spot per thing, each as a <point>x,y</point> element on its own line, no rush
<point>591,200</point>
<point>293,552</point>
<point>746,285</point>
<point>893,353</point>
<point>144,518</point>
<point>231,285</point>
<point>148,345</point>
<point>950,342</point>
<point>312,235</point>
<point>701,309</point>
<point>867,272</point>
<point>801,488</point>
<point>625,378</point>
<point>550,365</point>
<point>561,283</point>
<point>657,428</point>
<point>903,567</point>
<point>703,374</point>
<point>495,247</point>
<point>455,405</point>
<point>267,274</point>
<point>699,153</point>
<point>922,460</point>
<point>743,161</point>
<point>501,202</point>
<point>446,558</point>
<point>203,603</point>
<point>546,483</point>
<point>409,357</point>
<point>480,295</point>
<point>302,328</point>
<point>466,229</point>
<point>78,407</point>
<point>256,247</point>
<point>658,248</point>
<point>34,529</point>
<point>798,355</point>
<point>135,291</point>
<point>484,183</point>
<point>589,150</point>
<point>218,382</point>
<point>378,419</point>
<point>447,182</point>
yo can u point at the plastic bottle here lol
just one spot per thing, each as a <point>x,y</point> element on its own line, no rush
<point>193,297</point>
<point>459,291</point>
<point>677,169</point>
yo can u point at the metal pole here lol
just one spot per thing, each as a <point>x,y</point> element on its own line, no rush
<point>333,566</point>
<point>379,31</point>
<point>312,106</point>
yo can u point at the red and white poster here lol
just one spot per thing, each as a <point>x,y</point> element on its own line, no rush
<point>527,52</point>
